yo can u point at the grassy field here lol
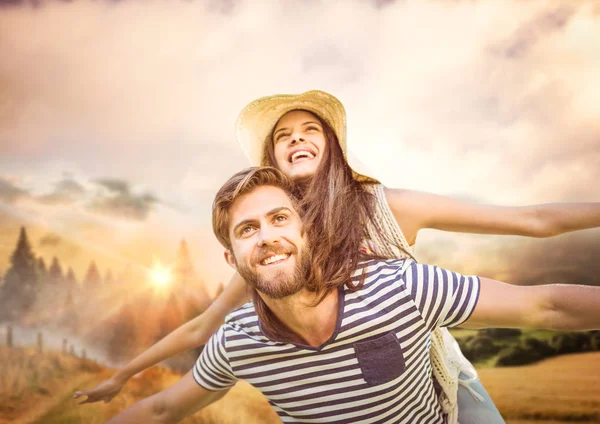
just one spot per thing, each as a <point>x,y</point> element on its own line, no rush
<point>31,382</point>
<point>557,390</point>
<point>242,404</point>
<point>36,388</point>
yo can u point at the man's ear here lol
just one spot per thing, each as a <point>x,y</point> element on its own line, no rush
<point>230,259</point>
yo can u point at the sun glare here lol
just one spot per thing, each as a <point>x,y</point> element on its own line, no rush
<point>160,275</point>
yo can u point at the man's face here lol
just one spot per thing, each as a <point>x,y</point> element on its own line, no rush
<point>268,247</point>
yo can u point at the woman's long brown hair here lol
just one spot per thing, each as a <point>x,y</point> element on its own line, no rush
<point>335,208</point>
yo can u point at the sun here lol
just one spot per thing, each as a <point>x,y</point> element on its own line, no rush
<point>160,275</point>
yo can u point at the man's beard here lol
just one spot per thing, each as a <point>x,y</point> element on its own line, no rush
<point>282,284</point>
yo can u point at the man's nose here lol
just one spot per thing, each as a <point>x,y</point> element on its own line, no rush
<point>267,236</point>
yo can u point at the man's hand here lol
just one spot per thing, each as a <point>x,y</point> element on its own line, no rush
<point>104,391</point>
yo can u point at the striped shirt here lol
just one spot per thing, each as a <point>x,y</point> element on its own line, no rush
<point>375,368</point>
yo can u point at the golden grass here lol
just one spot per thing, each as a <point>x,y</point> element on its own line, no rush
<point>37,388</point>
<point>560,389</point>
<point>243,403</point>
<point>30,380</point>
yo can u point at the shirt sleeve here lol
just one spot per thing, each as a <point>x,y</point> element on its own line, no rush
<point>212,370</point>
<point>444,298</point>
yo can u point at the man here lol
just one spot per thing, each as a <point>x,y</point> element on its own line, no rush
<point>353,352</point>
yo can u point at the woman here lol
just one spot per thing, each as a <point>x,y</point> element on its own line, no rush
<point>305,136</point>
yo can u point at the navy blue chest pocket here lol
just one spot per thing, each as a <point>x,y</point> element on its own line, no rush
<point>380,359</point>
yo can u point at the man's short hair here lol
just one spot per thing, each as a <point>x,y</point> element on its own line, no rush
<point>242,183</point>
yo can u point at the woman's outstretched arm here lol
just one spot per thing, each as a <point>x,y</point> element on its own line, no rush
<point>415,210</point>
<point>192,334</point>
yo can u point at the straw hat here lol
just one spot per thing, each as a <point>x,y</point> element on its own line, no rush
<point>257,120</point>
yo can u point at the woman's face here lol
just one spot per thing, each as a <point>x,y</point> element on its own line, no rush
<point>299,143</point>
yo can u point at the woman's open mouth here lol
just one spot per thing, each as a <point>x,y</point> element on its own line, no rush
<point>301,155</point>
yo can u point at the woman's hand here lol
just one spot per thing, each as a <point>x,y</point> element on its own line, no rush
<point>416,210</point>
<point>105,391</point>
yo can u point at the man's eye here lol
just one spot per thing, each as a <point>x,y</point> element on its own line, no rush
<point>280,218</point>
<point>246,230</point>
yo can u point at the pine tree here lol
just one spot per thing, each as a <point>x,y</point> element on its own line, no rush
<point>74,304</point>
<point>55,272</point>
<point>184,269</point>
<point>21,282</point>
<point>186,276</point>
<point>108,278</point>
<point>124,335</point>
<point>69,300</point>
<point>92,277</point>
<point>41,268</point>
<point>23,260</point>
<point>71,279</point>
<point>169,317</point>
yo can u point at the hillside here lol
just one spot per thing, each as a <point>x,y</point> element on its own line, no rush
<point>36,388</point>
<point>33,382</point>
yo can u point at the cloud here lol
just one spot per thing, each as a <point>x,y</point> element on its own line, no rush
<point>67,191</point>
<point>487,100</point>
<point>542,25</point>
<point>109,196</point>
<point>9,192</point>
<point>50,239</point>
<point>117,200</point>
<point>115,186</point>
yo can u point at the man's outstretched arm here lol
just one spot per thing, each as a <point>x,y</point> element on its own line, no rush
<point>553,307</point>
<point>171,405</point>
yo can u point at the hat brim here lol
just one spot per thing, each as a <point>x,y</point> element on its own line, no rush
<point>257,120</point>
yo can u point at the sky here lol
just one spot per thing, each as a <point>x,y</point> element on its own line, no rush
<point>117,118</point>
